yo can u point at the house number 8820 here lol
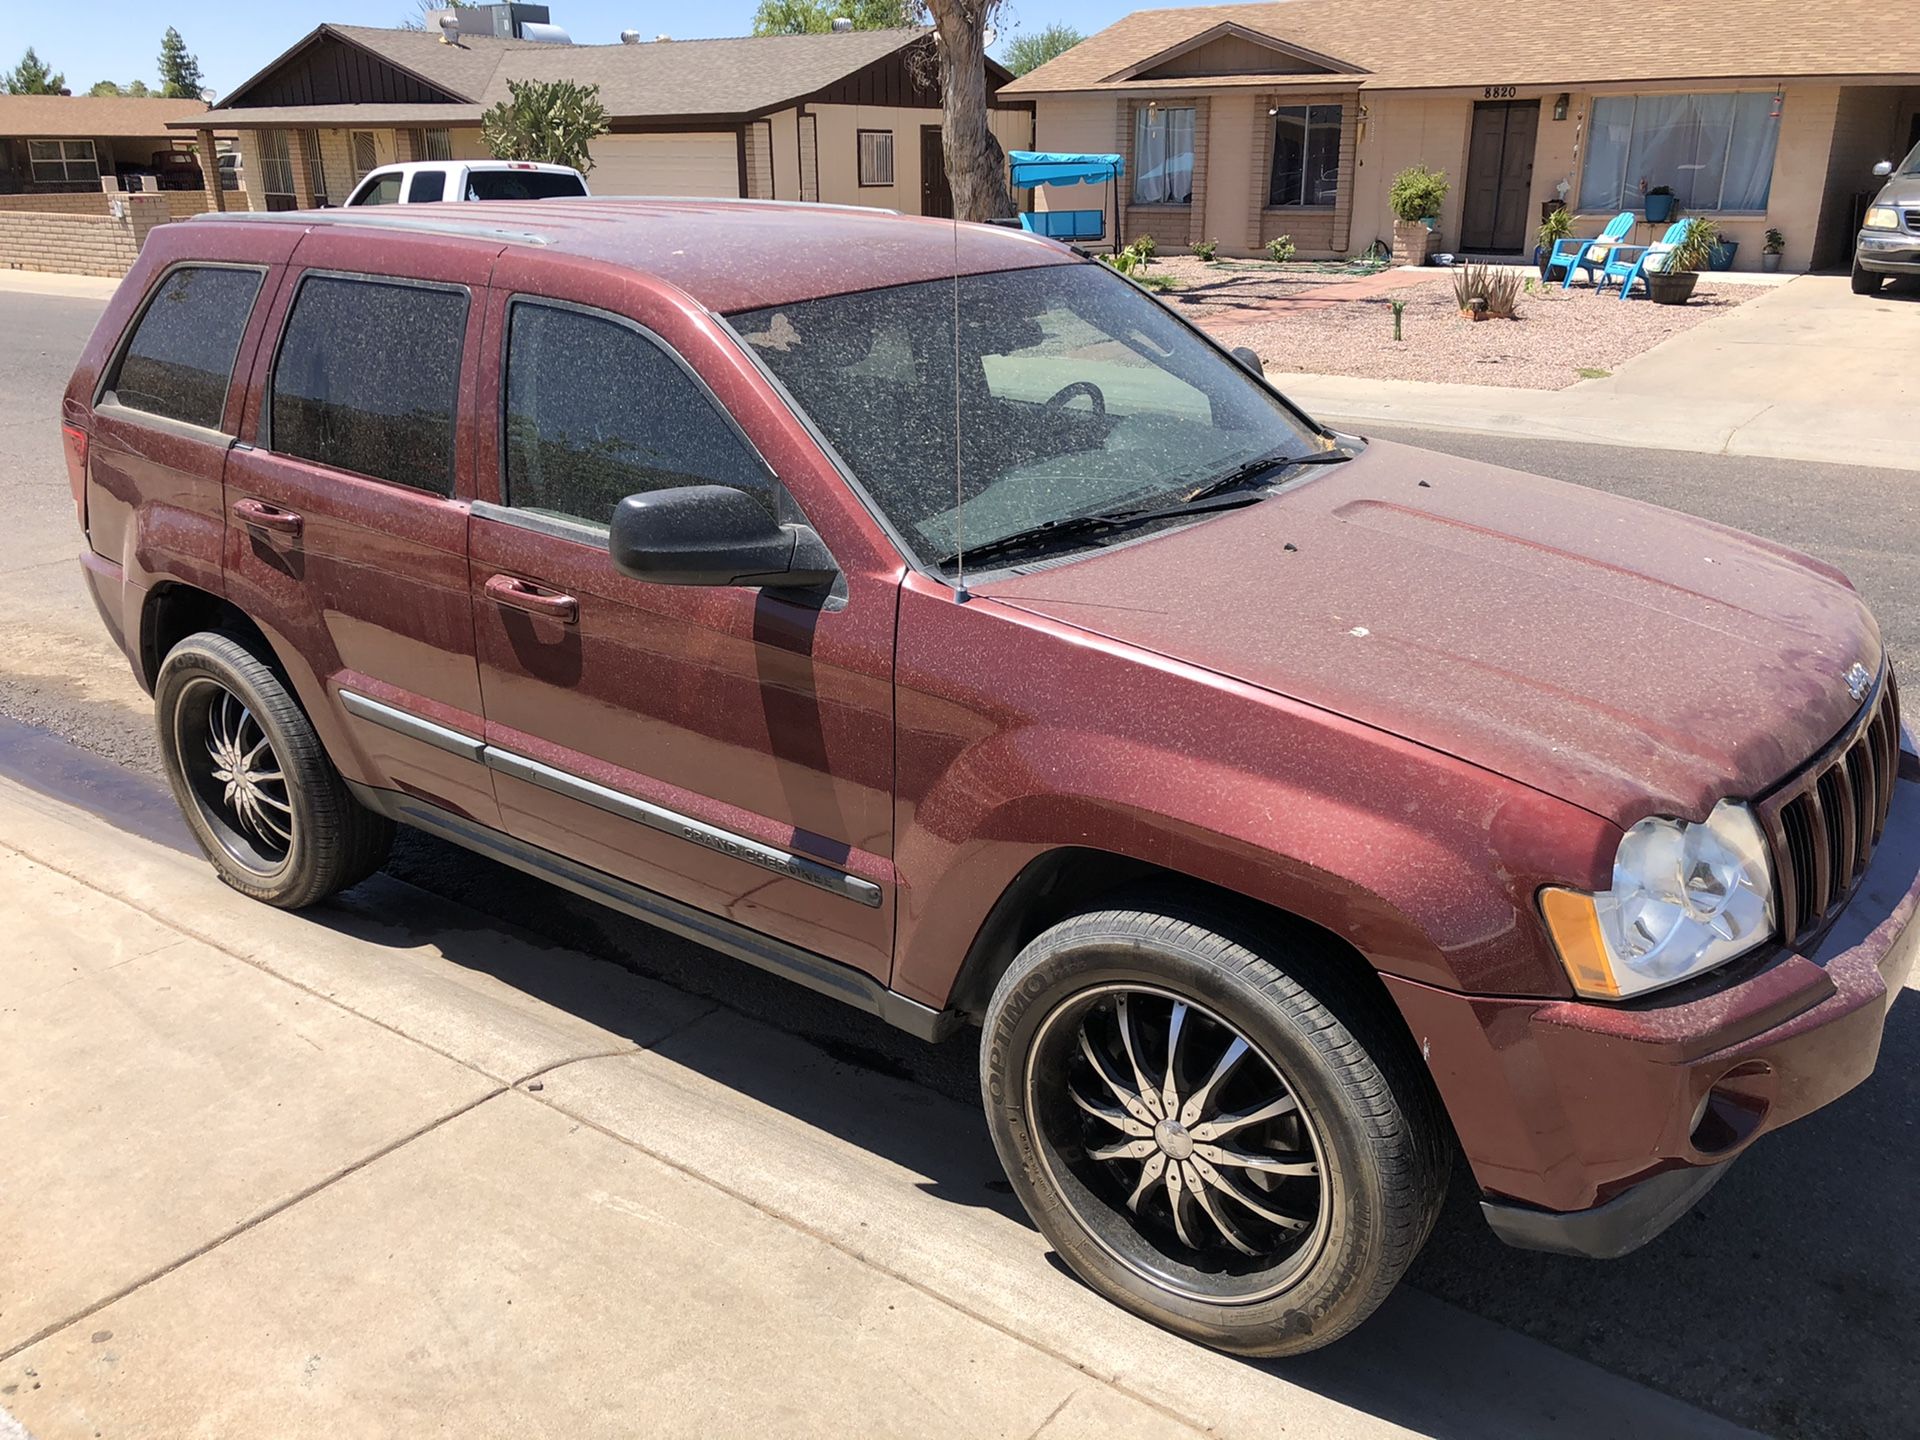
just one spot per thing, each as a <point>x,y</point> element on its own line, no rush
<point>1501,92</point>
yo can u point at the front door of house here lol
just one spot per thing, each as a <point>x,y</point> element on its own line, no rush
<point>1499,176</point>
<point>936,191</point>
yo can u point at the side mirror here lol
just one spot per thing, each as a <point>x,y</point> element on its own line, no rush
<point>714,535</point>
<point>1252,361</point>
<point>1883,169</point>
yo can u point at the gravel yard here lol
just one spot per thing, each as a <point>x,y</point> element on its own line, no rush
<point>1342,324</point>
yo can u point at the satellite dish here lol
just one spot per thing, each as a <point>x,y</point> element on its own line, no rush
<point>208,95</point>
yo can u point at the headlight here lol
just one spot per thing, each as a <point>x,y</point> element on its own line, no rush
<point>1685,898</point>
<point>1881,217</point>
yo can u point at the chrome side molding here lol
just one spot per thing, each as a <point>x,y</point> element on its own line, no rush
<point>614,802</point>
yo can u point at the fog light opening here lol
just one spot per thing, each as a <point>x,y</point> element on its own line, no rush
<point>1732,1111</point>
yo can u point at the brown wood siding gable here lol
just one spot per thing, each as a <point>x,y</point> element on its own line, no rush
<point>332,72</point>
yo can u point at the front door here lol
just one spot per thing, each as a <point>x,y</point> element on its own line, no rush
<point>1499,176</point>
<point>936,190</point>
<point>347,506</point>
<point>728,748</point>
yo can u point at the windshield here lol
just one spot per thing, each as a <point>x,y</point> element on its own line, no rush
<point>1911,165</point>
<point>521,185</point>
<point>1079,392</point>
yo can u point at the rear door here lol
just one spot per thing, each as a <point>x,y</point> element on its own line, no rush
<point>730,748</point>
<point>347,531</point>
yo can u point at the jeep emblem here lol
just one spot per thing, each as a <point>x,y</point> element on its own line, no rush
<point>1859,680</point>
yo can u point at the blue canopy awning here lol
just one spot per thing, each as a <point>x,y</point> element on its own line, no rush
<point>1041,167</point>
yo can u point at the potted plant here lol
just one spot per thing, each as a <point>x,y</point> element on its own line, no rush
<point>1673,282</point>
<point>1770,252</point>
<point>1659,202</point>
<point>1557,226</point>
<point>1723,253</point>
<point>1415,198</point>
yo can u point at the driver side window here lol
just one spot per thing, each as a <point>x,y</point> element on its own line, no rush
<point>597,410</point>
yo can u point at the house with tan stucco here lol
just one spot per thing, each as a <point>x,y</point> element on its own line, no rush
<point>846,117</point>
<point>1241,123</point>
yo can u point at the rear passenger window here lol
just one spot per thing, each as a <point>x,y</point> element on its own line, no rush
<point>368,377</point>
<point>385,190</point>
<point>427,185</point>
<point>596,411</point>
<point>180,359</point>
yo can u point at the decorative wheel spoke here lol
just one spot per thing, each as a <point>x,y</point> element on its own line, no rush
<point>1221,1223</point>
<point>1129,1099</point>
<point>1197,1103</point>
<point>1222,1185</point>
<point>1227,1124</point>
<point>1258,1160</point>
<point>1119,1119</point>
<point>1169,1091</point>
<point>1146,1092</point>
<point>1150,1175</point>
<point>1127,1150</point>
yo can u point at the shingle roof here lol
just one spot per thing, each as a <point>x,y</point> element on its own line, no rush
<point>101,116</point>
<point>679,78</point>
<point>1418,44</point>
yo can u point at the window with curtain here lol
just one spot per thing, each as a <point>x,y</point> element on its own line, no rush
<point>1306,156</point>
<point>1163,156</point>
<point>876,157</point>
<point>1715,151</point>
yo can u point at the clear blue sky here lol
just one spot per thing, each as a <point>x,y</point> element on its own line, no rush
<point>119,40</point>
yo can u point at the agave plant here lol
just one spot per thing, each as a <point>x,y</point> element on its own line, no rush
<point>1498,288</point>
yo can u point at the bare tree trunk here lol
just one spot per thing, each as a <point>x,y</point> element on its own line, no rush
<point>976,165</point>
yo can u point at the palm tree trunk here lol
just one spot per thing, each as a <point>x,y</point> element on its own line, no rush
<point>976,165</point>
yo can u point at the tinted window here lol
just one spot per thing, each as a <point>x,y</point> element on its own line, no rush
<point>427,185</point>
<point>181,355</point>
<point>367,379</point>
<point>385,190</point>
<point>597,412</point>
<point>521,185</point>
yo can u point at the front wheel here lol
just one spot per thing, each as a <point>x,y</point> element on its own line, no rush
<point>253,780</point>
<point>1206,1140</point>
<point>1865,282</point>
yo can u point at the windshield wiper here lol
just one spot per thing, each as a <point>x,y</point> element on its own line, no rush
<point>1253,469</point>
<point>1069,526</point>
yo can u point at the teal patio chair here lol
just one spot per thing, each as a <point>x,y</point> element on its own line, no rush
<point>1628,263</point>
<point>1576,254</point>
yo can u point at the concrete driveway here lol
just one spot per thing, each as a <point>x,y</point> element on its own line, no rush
<point>1807,371</point>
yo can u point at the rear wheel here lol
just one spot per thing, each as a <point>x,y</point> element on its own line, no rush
<point>1204,1138</point>
<point>253,781</point>
<point>1865,282</point>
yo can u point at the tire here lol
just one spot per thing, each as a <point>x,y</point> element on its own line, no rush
<point>1865,282</point>
<point>1366,1115</point>
<point>282,826</point>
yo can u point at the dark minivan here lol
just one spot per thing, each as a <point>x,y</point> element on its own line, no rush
<point>929,615</point>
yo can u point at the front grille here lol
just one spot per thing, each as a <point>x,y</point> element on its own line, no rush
<point>1822,825</point>
<point>1913,220</point>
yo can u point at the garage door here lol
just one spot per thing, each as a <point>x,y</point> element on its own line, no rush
<point>693,164</point>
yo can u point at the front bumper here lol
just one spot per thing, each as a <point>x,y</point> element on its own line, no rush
<point>1573,1115</point>
<point>1888,252</point>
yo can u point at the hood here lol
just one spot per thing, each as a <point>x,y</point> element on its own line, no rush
<point>1901,191</point>
<point>1626,658</point>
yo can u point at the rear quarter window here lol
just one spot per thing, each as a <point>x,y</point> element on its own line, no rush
<point>179,359</point>
<point>368,377</point>
<point>521,185</point>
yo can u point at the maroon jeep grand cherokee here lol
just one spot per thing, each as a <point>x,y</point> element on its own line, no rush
<point>931,616</point>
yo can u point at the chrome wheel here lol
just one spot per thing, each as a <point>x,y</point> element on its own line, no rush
<point>235,777</point>
<point>1180,1147</point>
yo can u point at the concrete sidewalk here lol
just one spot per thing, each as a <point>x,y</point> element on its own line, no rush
<point>1807,371</point>
<point>390,1169</point>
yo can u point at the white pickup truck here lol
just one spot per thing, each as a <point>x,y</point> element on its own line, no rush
<point>430,180</point>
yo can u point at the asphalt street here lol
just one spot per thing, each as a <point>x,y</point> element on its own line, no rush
<point>1783,1302</point>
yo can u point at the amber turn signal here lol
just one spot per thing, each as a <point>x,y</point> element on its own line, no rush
<point>1574,925</point>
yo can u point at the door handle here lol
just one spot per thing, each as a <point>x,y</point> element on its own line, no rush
<point>517,594</point>
<point>262,516</point>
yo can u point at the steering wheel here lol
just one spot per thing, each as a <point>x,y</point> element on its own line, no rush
<point>1079,387</point>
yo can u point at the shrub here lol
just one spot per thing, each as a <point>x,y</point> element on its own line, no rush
<point>1146,247</point>
<point>1280,249</point>
<point>1557,226</point>
<point>551,122</point>
<point>1206,249</point>
<point>1134,257</point>
<point>1695,250</point>
<point>1499,288</point>
<point>1417,192</point>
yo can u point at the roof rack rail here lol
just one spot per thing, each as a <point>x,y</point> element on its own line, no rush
<point>463,229</point>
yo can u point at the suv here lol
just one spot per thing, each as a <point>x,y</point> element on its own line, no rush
<point>1889,241</point>
<point>431,180</point>
<point>931,616</point>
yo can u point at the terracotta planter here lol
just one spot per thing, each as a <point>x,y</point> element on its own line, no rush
<point>1412,242</point>
<point>1672,289</point>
